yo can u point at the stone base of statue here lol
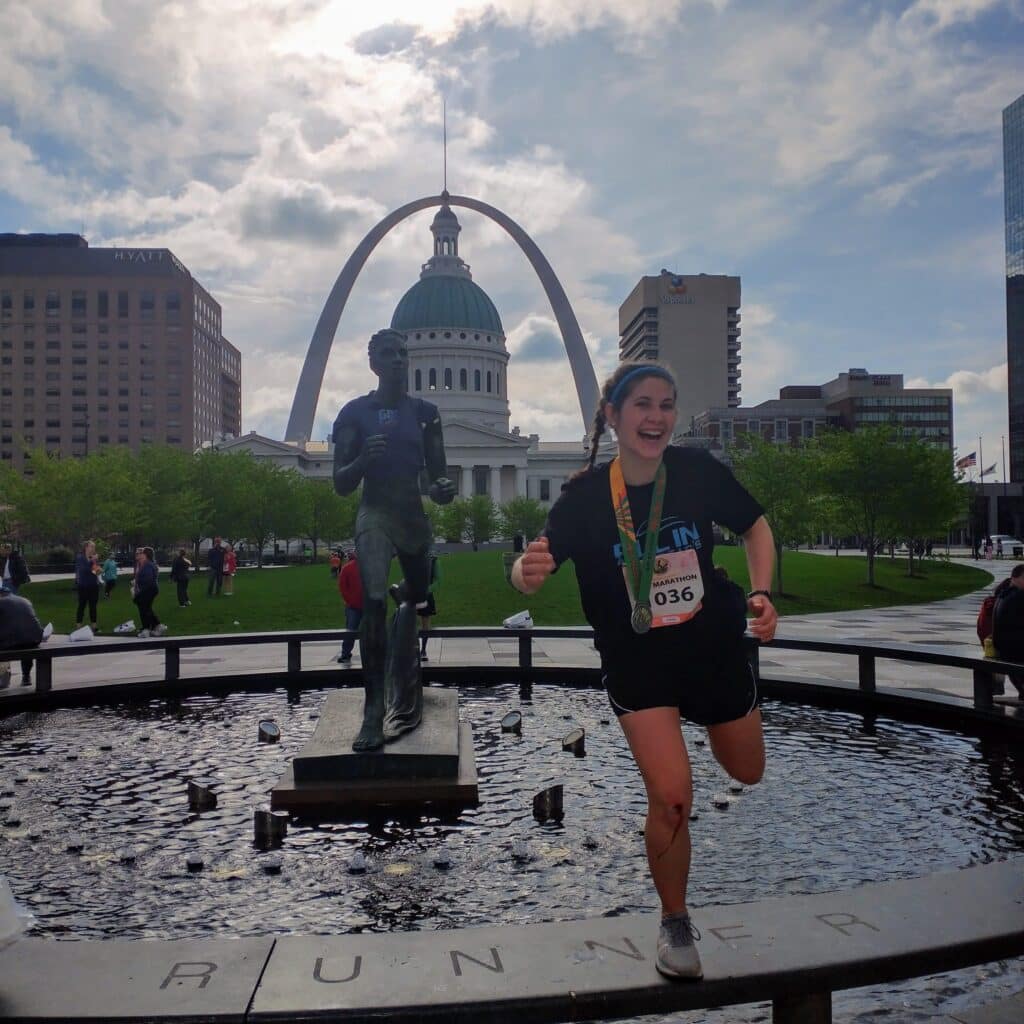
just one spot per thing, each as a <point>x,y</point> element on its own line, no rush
<point>433,764</point>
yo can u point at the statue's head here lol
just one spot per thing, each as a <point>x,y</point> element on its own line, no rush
<point>389,357</point>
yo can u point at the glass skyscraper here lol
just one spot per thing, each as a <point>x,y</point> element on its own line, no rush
<point>1013,186</point>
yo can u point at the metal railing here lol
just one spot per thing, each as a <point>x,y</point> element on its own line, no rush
<point>984,670</point>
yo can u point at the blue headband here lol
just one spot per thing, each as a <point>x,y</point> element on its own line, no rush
<point>639,371</point>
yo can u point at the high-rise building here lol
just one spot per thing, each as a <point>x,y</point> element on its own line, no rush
<point>692,324</point>
<point>850,401</point>
<point>109,347</point>
<point>1013,193</point>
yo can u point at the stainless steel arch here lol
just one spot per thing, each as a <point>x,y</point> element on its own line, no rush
<point>300,422</point>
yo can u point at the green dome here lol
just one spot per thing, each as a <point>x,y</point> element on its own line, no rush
<point>439,300</point>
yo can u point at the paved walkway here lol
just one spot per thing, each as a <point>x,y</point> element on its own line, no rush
<point>944,623</point>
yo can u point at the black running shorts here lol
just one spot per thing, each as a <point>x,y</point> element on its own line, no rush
<point>710,688</point>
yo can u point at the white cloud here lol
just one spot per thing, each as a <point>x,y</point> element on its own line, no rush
<point>261,140</point>
<point>979,408</point>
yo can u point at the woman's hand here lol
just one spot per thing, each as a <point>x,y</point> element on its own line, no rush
<point>534,567</point>
<point>765,619</point>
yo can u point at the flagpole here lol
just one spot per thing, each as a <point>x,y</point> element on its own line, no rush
<point>1003,440</point>
<point>981,462</point>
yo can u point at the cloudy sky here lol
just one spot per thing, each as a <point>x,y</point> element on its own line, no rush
<point>843,158</point>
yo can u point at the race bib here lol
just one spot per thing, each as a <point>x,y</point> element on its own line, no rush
<point>677,588</point>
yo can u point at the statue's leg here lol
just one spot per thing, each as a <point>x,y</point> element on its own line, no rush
<point>374,551</point>
<point>405,688</point>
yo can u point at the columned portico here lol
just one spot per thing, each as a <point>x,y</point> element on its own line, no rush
<point>520,481</point>
<point>495,491</point>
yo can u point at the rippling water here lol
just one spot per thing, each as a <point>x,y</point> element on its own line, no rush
<point>843,802</point>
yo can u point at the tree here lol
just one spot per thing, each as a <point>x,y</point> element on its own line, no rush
<point>271,502</point>
<point>860,471</point>
<point>929,498</point>
<point>327,514</point>
<point>453,520</point>
<point>524,516</point>
<point>482,519</point>
<point>177,511</point>
<point>781,478</point>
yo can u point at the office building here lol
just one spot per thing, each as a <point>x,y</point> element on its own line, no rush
<point>852,400</point>
<point>1013,200</point>
<point>109,346</point>
<point>692,324</point>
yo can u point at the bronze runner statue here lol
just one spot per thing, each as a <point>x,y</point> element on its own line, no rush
<point>387,440</point>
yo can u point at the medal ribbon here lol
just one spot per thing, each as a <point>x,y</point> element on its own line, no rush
<point>640,568</point>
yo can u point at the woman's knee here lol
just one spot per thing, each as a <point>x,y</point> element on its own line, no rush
<point>670,803</point>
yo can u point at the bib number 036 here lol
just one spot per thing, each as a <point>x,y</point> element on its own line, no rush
<point>673,596</point>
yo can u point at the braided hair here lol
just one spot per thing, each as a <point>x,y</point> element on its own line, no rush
<point>616,389</point>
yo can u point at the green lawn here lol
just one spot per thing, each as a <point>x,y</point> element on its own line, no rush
<point>473,592</point>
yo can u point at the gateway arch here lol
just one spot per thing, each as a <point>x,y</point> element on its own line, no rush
<point>307,394</point>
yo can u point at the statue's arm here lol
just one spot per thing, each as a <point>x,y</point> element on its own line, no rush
<point>442,490</point>
<point>352,455</point>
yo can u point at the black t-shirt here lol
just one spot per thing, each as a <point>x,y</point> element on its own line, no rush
<point>699,491</point>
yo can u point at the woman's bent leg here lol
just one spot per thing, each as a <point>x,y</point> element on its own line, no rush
<point>738,747</point>
<point>656,740</point>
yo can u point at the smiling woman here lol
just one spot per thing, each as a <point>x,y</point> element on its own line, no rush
<point>666,627</point>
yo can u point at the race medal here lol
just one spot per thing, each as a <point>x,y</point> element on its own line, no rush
<point>641,618</point>
<point>637,569</point>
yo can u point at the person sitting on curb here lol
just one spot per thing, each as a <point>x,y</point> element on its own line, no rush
<point>19,628</point>
<point>1008,624</point>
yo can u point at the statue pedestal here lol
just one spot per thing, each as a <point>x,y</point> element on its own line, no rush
<point>434,764</point>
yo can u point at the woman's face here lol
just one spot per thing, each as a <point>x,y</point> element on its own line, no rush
<point>646,419</point>
<point>90,549</point>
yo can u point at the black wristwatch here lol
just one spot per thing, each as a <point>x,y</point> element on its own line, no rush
<point>760,593</point>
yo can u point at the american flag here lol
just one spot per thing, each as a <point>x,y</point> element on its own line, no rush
<point>991,469</point>
<point>967,461</point>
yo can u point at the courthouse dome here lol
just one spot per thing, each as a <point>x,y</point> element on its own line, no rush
<point>440,300</point>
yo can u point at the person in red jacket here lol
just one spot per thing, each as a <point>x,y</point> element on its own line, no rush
<point>350,585</point>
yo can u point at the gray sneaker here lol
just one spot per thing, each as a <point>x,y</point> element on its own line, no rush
<point>677,953</point>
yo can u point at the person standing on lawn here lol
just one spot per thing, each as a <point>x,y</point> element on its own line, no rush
<point>87,570</point>
<point>350,586</point>
<point>230,568</point>
<point>668,628</point>
<point>109,575</point>
<point>180,569</point>
<point>13,570</point>
<point>146,591</point>
<point>215,567</point>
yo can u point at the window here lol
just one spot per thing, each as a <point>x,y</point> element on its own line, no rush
<point>419,380</point>
<point>28,303</point>
<point>172,307</point>
<point>754,427</point>
<point>476,380</point>
<point>545,490</point>
<point>497,382</point>
<point>726,431</point>
<point>122,305</point>
<point>462,380</point>
<point>103,304</point>
<point>147,304</point>
<point>78,304</point>
<point>53,304</point>
<point>807,428</point>
<point>448,379</point>
<point>781,431</point>
<point>432,380</point>
<point>488,382</point>
<point>6,305</point>
<point>481,477</point>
